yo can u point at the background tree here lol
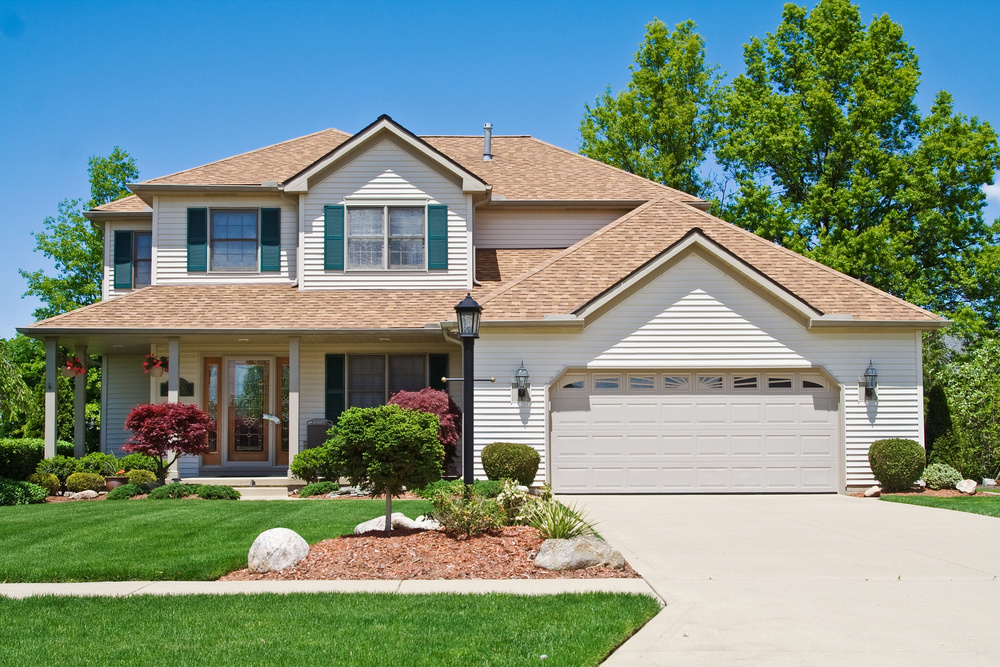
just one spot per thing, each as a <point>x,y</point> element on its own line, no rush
<point>660,127</point>
<point>831,157</point>
<point>15,397</point>
<point>162,429</point>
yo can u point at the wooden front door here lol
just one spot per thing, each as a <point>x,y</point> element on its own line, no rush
<point>248,399</point>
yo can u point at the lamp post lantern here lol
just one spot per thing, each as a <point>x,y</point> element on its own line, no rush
<point>468,312</point>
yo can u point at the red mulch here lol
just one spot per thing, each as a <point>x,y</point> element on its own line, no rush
<point>415,554</point>
<point>937,493</point>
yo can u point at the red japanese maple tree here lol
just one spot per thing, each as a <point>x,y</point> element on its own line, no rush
<point>160,429</point>
<point>436,402</point>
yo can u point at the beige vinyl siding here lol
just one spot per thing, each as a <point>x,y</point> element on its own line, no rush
<point>539,228</point>
<point>108,280</point>
<point>386,173</point>
<point>171,240</point>
<point>126,386</point>
<point>694,317</point>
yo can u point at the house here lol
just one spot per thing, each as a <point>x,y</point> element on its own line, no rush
<point>667,350</point>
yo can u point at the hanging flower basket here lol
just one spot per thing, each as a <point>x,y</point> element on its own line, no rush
<point>155,366</point>
<point>72,366</point>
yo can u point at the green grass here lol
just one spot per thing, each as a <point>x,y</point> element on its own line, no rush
<point>988,505</point>
<point>162,539</point>
<point>320,629</point>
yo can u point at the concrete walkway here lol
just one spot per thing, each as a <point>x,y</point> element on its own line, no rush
<point>807,580</point>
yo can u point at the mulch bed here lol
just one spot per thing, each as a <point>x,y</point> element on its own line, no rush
<point>428,554</point>
<point>937,493</point>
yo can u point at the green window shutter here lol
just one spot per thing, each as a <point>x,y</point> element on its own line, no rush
<point>437,236</point>
<point>270,239</point>
<point>335,380</point>
<point>123,260</point>
<point>197,239</point>
<point>333,238</point>
<point>438,365</point>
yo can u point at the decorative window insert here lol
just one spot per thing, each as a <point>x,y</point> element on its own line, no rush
<point>779,381</point>
<point>607,382</point>
<point>573,382</point>
<point>677,383</point>
<point>281,457</point>
<point>641,383</point>
<point>210,404</point>
<point>814,383</point>
<point>234,240</point>
<point>745,382</point>
<point>710,383</point>
<point>386,237</point>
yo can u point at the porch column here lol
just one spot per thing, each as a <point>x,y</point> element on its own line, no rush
<point>293,400</point>
<point>80,404</point>
<point>173,386</point>
<point>51,348</point>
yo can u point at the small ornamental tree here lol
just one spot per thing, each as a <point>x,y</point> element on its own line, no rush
<point>435,402</point>
<point>387,448</point>
<point>161,428</point>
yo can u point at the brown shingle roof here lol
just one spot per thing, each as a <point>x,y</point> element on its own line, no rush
<point>130,204</point>
<point>575,276</point>
<point>495,266</point>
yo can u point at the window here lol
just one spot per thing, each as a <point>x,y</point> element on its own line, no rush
<point>813,382</point>
<point>573,382</point>
<point>385,237</point>
<point>710,382</point>
<point>234,240</point>
<point>676,383</point>
<point>779,382</point>
<point>641,382</point>
<point>607,382</point>
<point>142,264</point>
<point>373,378</point>
<point>744,382</point>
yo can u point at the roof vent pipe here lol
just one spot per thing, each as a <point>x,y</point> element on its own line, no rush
<point>487,140</point>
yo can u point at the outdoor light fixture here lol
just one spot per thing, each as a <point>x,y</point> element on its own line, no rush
<point>521,380</point>
<point>871,382</point>
<point>469,313</point>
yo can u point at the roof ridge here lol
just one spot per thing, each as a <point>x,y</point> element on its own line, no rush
<point>251,152</point>
<point>573,248</point>
<point>474,136</point>
<point>828,269</point>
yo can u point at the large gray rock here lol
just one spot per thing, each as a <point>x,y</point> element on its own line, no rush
<point>398,521</point>
<point>578,553</point>
<point>967,486</point>
<point>86,494</point>
<point>276,549</point>
<point>873,491</point>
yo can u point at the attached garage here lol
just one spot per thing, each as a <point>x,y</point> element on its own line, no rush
<point>695,431</point>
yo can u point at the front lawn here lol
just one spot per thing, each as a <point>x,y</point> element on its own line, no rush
<point>162,539</point>
<point>320,629</point>
<point>988,505</point>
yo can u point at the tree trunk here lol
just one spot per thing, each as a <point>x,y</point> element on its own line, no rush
<point>388,511</point>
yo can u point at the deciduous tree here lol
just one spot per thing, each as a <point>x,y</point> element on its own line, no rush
<point>162,429</point>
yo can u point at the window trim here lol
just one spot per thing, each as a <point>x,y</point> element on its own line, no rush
<point>255,270</point>
<point>386,236</point>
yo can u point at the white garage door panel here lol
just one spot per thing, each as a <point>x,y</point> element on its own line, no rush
<point>706,438</point>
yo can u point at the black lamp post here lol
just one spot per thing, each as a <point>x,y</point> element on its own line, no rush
<point>469,313</point>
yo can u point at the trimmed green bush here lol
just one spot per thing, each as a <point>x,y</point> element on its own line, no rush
<point>175,490</point>
<point>83,481</point>
<point>217,492</point>
<point>941,476</point>
<point>19,457</point>
<point>105,465</point>
<point>312,464</point>
<point>137,461</point>
<point>487,488</point>
<point>556,521</point>
<point>510,460</point>
<point>16,492</point>
<point>140,477</point>
<point>47,481</point>
<point>318,489</point>
<point>896,463</point>
<point>126,491</point>
<point>60,466</point>
<point>427,492</point>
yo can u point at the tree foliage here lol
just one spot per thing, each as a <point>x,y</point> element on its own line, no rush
<point>160,429</point>
<point>74,245</point>
<point>973,389</point>
<point>831,157</point>
<point>660,127</point>
<point>435,402</point>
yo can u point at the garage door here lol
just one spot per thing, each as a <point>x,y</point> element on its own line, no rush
<point>656,432</point>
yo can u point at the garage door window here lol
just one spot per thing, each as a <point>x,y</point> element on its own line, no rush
<point>641,383</point>
<point>779,382</point>
<point>813,383</point>
<point>607,382</point>
<point>572,382</point>
<point>745,382</point>
<point>710,383</point>
<point>676,383</point>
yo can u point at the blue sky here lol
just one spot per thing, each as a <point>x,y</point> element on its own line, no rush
<point>178,84</point>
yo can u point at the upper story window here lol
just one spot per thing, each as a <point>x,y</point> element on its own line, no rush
<point>142,265</point>
<point>234,240</point>
<point>132,259</point>
<point>385,237</point>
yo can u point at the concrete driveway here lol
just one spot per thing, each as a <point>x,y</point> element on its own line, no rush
<point>807,580</point>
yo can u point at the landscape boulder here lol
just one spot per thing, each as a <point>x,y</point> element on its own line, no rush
<point>967,486</point>
<point>873,492</point>
<point>86,494</point>
<point>276,549</point>
<point>578,553</point>
<point>398,521</point>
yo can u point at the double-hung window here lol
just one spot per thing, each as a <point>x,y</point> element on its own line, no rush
<point>386,237</point>
<point>234,240</point>
<point>133,259</point>
<point>142,262</point>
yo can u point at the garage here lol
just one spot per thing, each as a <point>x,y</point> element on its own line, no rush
<point>695,431</point>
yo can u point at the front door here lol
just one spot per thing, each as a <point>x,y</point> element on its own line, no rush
<point>248,389</point>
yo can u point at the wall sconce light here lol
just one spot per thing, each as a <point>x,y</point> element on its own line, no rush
<point>521,382</point>
<point>871,382</point>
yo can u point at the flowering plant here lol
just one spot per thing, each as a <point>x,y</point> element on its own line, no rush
<point>74,366</point>
<point>152,361</point>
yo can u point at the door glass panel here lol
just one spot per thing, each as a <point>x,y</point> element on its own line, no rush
<point>212,406</point>
<point>248,401</point>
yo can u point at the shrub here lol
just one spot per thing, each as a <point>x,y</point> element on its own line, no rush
<point>556,521</point>
<point>217,492</point>
<point>161,428</point>
<point>941,476</point>
<point>487,488</point>
<point>318,489</point>
<point>435,402</point>
<point>19,457</point>
<point>466,514</point>
<point>140,477</point>
<point>312,464</point>
<point>47,481</point>
<point>954,449</point>
<point>105,465</point>
<point>16,492</point>
<point>896,463</point>
<point>83,481</point>
<point>60,466</point>
<point>126,491</point>
<point>515,502</point>
<point>175,490</point>
<point>386,449</point>
<point>510,460</point>
<point>137,461</point>
<point>453,487</point>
